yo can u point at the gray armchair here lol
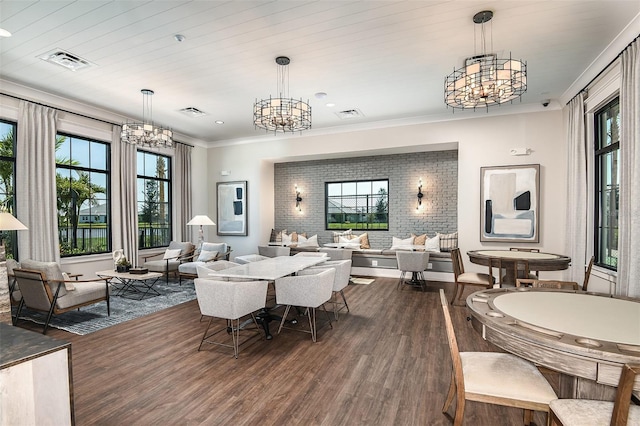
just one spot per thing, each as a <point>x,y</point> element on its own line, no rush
<point>171,258</point>
<point>208,253</point>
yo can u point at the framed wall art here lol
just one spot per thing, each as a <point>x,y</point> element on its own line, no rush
<point>232,208</point>
<point>510,200</point>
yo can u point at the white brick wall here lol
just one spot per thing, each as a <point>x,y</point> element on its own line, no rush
<point>438,170</point>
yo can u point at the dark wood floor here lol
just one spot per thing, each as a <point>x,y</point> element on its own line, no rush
<point>385,363</point>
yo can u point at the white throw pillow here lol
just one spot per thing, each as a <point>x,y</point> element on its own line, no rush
<point>171,254</point>
<point>405,243</point>
<point>206,256</point>
<point>432,244</point>
<point>286,239</point>
<point>307,242</point>
<point>350,243</point>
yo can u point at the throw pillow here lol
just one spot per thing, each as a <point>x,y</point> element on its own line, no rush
<point>206,256</point>
<point>363,239</point>
<point>448,241</point>
<point>294,236</point>
<point>171,254</point>
<point>337,235</point>
<point>67,282</point>
<point>286,239</point>
<point>419,240</point>
<point>432,244</point>
<point>405,243</point>
<point>308,242</point>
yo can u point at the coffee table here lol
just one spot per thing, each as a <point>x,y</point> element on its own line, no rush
<point>132,284</point>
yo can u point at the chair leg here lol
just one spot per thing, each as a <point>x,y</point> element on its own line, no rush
<point>328,317</point>
<point>204,336</point>
<point>459,293</point>
<point>344,299</point>
<point>284,317</point>
<point>450,394</point>
<point>401,280</point>
<point>528,417</point>
<point>49,315</point>
<point>235,335</point>
<point>311,312</point>
<point>20,306</point>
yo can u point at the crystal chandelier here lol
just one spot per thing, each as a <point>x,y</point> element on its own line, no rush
<point>282,114</point>
<point>485,80</point>
<point>146,133</point>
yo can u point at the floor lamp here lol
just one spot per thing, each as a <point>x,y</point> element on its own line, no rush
<point>201,220</point>
<point>7,223</point>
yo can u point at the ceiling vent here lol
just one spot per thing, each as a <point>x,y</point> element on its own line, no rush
<point>66,59</point>
<point>192,112</point>
<point>349,114</point>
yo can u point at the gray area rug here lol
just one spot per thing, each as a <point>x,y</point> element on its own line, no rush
<point>93,318</point>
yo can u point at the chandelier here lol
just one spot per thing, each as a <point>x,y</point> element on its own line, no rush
<point>485,80</point>
<point>282,114</point>
<point>146,133</point>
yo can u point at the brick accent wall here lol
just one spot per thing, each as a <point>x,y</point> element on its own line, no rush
<point>438,170</point>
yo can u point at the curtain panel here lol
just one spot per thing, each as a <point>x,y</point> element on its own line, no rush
<point>183,189</point>
<point>36,197</point>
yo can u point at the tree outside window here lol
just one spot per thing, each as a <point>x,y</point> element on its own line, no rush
<point>154,200</point>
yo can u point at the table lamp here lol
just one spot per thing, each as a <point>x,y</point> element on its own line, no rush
<point>201,220</point>
<point>7,223</point>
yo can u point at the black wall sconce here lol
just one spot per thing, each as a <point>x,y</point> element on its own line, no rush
<point>298,198</point>
<point>420,195</point>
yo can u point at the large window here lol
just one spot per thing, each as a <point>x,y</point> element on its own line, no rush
<point>154,200</point>
<point>607,184</point>
<point>357,205</point>
<point>7,182</point>
<point>82,184</point>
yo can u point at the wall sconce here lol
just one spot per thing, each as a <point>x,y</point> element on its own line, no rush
<point>298,198</point>
<point>420,195</point>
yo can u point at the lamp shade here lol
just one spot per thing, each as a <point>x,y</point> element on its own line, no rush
<point>9,223</point>
<point>201,220</point>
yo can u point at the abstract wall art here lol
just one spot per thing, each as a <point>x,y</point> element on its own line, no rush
<point>510,200</point>
<point>232,208</point>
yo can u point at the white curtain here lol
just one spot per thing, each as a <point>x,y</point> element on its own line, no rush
<point>125,217</point>
<point>183,186</point>
<point>629,208</point>
<point>576,219</point>
<point>36,198</point>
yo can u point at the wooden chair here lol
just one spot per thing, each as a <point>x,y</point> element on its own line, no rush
<point>493,378</point>
<point>579,412</point>
<point>175,254</point>
<point>463,278</point>
<point>527,273</point>
<point>561,285</point>
<point>587,274</point>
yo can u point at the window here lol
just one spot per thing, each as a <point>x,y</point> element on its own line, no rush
<point>357,205</point>
<point>607,184</point>
<point>154,200</point>
<point>7,182</point>
<point>82,185</point>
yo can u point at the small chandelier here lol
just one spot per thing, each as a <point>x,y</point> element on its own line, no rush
<point>282,114</point>
<point>485,80</point>
<point>145,133</point>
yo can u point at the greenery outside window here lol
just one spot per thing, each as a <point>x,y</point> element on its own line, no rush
<point>607,184</point>
<point>357,204</point>
<point>7,182</point>
<point>82,185</point>
<point>154,200</point>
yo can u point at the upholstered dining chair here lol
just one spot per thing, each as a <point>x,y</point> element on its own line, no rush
<point>340,282</point>
<point>248,258</point>
<point>414,262</point>
<point>229,300</point>
<point>172,257</point>
<point>43,288</point>
<point>587,274</point>
<point>463,278</point>
<point>274,251</point>
<point>311,254</point>
<point>554,284</point>
<point>308,291</point>
<point>580,412</point>
<point>493,378</point>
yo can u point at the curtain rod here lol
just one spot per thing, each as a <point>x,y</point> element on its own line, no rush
<point>74,113</point>
<point>586,87</point>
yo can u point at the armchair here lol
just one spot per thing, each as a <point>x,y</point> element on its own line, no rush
<point>43,288</point>
<point>208,253</point>
<point>171,259</point>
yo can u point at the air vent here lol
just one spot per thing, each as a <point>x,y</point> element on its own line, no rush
<point>192,112</point>
<point>349,114</point>
<point>66,59</point>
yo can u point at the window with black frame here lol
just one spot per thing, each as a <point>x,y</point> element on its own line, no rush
<point>154,200</point>
<point>607,184</point>
<point>83,191</point>
<point>357,204</point>
<point>7,183</point>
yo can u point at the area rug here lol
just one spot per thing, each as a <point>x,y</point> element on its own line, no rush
<point>364,281</point>
<point>93,318</point>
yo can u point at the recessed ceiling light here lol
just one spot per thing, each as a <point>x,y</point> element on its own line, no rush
<point>179,38</point>
<point>4,33</point>
<point>321,95</point>
<point>331,105</point>
<point>219,122</point>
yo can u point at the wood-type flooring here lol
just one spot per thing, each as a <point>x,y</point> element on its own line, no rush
<point>385,363</point>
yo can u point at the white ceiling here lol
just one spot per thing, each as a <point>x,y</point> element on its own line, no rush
<point>386,58</point>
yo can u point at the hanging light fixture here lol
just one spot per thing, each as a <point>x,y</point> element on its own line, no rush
<point>146,133</point>
<point>485,80</point>
<point>282,114</point>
